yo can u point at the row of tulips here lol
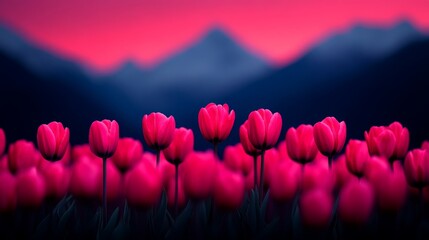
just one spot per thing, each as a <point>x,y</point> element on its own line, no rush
<point>378,173</point>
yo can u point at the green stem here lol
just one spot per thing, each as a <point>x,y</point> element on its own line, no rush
<point>261,182</point>
<point>176,192</point>
<point>104,222</point>
<point>255,171</point>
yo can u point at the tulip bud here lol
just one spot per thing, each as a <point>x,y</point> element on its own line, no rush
<point>180,147</point>
<point>158,130</point>
<point>2,142</point>
<point>128,152</point>
<point>381,142</point>
<point>315,208</point>
<point>143,185</point>
<point>236,159</point>
<point>57,179</point>
<point>357,156</point>
<point>7,192</point>
<point>285,180</point>
<point>264,128</point>
<point>22,155</point>
<point>215,122</point>
<point>228,189</point>
<point>53,140</point>
<point>199,172</point>
<point>402,137</point>
<point>300,144</point>
<point>85,178</point>
<point>245,141</point>
<point>356,202</point>
<point>330,136</point>
<point>103,138</point>
<point>416,168</point>
<point>30,188</point>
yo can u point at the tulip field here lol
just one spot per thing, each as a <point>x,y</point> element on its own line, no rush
<point>311,183</point>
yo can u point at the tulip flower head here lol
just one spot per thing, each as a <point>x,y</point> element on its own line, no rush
<point>30,188</point>
<point>416,167</point>
<point>158,130</point>
<point>245,141</point>
<point>381,141</point>
<point>357,156</point>
<point>7,192</point>
<point>53,140</point>
<point>316,208</point>
<point>103,138</point>
<point>229,189</point>
<point>22,155</point>
<point>215,122</point>
<point>330,136</point>
<point>2,142</point>
<point>264,128</point>
<point>181,146</point>
<point>300,144</point>
<point>402,142</point>
<point>128,152</point>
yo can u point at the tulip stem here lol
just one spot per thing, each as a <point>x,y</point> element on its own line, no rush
<point>255,171</point>
<point>104,222</point>
<point>158,156</point>
<point>215,148</point>
<point>261,182</point>
<point>176,191</point>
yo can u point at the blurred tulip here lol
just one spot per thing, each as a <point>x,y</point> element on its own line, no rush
<point>2,142</point>
<point>315,208</point>
<point>22,155</point>
<point>342,173</point>
<point>85,178</point>
<point>391,188</point>
<point>425,145</point>
<point>356,202</point>
<point>264,128</point>
<point>30,188</point>
<point>103,138</point>
<point>182,145</point>
<point>330,136</point>
<point>80,151</point>
<point>381,141</point>
<point>199,172</point>
<point>357,156</point>
<point>143,186</point>
<point>7,192</point>
<point>236,159</point>
<point>113,181</point>
<point>318,176</point>
<point>57,179</point>
<point>416,167</point>
<point>300,144</point>
<point>4,165</point>
<point>245,141</point>
<point>402,137</point>
<point>53,140</point>
<point>283,152</point>
<point>171,191</point>
<point>373,167</point>
<point>285,180</point>
<point>128,152</point>
<point>158,130</point>
<point>229,189</point>
<point>215,122</point>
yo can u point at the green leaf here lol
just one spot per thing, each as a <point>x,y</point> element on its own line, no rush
<point>111,225</point>
<point>65,219</point>
<point>179,225</point>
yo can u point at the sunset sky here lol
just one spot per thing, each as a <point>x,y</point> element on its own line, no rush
<point>104,33</point>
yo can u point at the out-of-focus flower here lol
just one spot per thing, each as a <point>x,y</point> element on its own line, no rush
<point>300,144</point>
<point>128,152</point>
<point>180,147</point>
<point>22,155</point>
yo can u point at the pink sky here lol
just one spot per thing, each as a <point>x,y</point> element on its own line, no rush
<point>104,33</point>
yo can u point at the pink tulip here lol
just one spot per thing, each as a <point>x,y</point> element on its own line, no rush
<point>425,145</point>
<point>402,137</point>
<point>272,157</point>
<point>315,208</point>
<point>300,144</point>
<point>128,152</point>
<point>103,138</point>
<point>215,122</point>
<point>22,155</point>
<point>356,202</point>
<point>80,151</point>
<point>342,173</point>
<point>180,147</point>
<point>245,141</point>
<point>228,189</point>
<point>4,165</point>
<point>57,179</point>
<point>30,188</point>
<point>181,196</point>
<point>317,176</point>
<point>236,159</point>
<point>285,180</point>
<point>330,136</point>
<point>381,141</point>
<point>357,156</point>
<point>391,189</point>
<point>143,186</point>
<point>53,140</point>
<point>283,152</point>
<point>113,181</point>
<point>416,168</point>
<point>7,192</point>
<point>199,172</point>
<point>373,167</point>
<point>85,178</point>
<point>264,128</point>
<point>158,130</point>
<point>2,142</point>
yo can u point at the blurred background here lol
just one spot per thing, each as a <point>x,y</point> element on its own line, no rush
<point>365,62</point>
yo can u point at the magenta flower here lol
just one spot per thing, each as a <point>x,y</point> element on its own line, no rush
<point>2,142</point>
<point>103,138</point>
<point>330,136</point>
<point>7,192</point>
<point>315,208</point>
<point>264,128</point>
<point>229,188</point>
<point>357,156</point>
<point>158,130</point>
<point>300,144</point>
<point>402,142</point>
<point>215,122</point>
<point>381,141</point>
<point>416,167</point>
<point>180,147</point>
<point>22,155</point>
<point>30,188</point>
<point>128,152</point>
<point>53,140</point>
